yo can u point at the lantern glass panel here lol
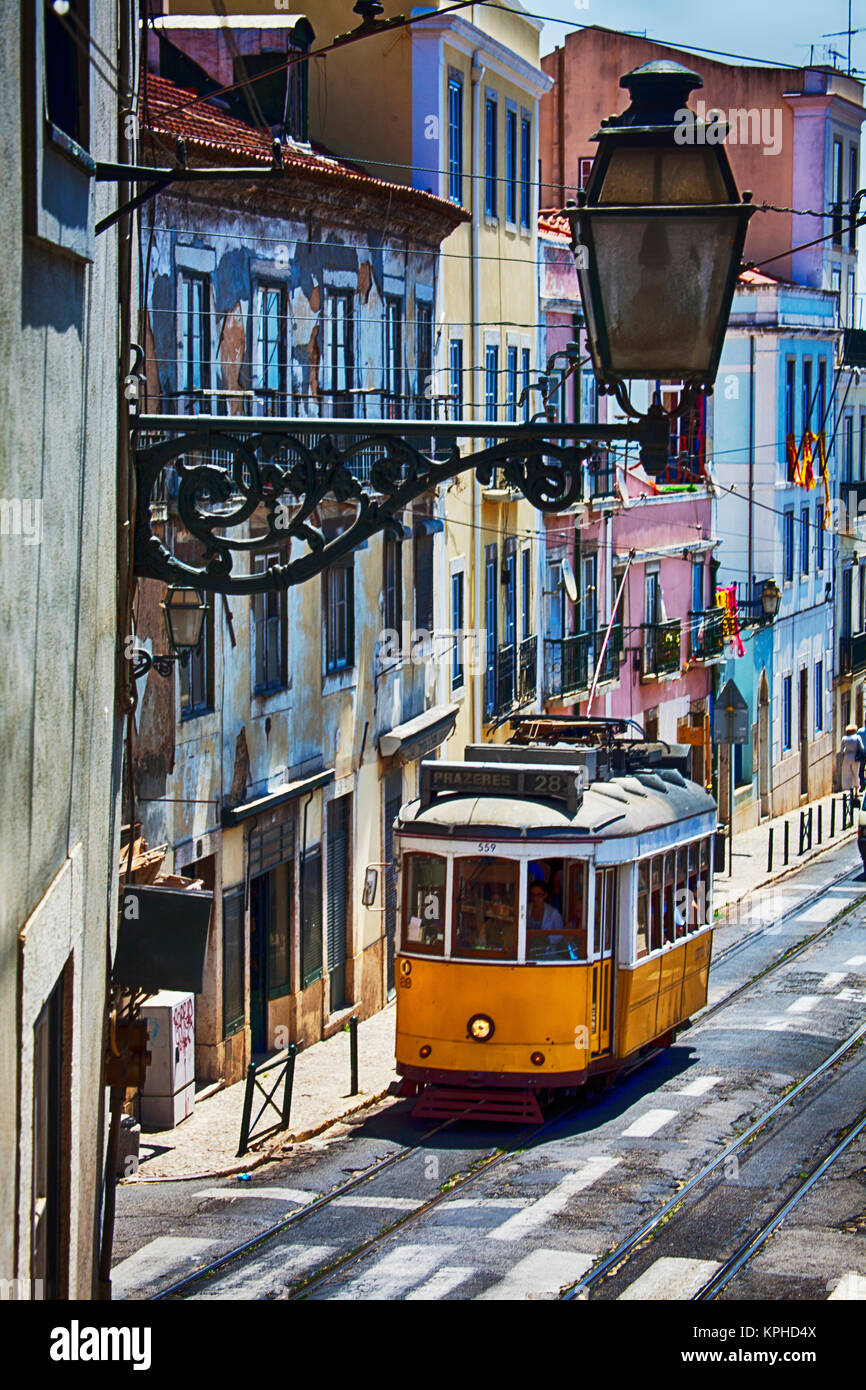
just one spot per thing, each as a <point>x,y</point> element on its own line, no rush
<point>184,616</point>
<point>672,175</point>
<point>662,281</point>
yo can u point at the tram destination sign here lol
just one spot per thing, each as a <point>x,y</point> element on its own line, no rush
<point>517,780</point>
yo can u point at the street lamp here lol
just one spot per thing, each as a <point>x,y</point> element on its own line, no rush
<point>184,611</point>
<point>771,597</point>
<point>658,236</point>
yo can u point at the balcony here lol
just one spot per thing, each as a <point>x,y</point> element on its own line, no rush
<point>512,675</point>
<point>707,634</point>
<point>661,649</point>
<point>852,654</point>
<point>570,662</point>
<point>527,672</point>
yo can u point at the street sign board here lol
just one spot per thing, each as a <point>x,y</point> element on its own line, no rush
<point>730,716</point>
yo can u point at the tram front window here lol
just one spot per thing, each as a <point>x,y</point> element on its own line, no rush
<point>424,904</point>
<point>485,909</point>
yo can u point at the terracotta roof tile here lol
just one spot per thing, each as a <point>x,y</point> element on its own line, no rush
<point>169,110</point>
<point>553,224</point>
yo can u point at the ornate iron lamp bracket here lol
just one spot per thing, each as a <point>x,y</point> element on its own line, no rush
<point>287,468</point>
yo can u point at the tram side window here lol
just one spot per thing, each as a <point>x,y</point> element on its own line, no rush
<point>485,909</point>
<point>556,925</point>
<point>681,901</point>
<point>424,904</point>
<point>704,884</point>
<point>669,890</point>
<point>693,915</point>
<point>643,912</point>
<point>656,875</point>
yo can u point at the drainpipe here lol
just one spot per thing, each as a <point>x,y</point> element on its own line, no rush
<point>478,71</point>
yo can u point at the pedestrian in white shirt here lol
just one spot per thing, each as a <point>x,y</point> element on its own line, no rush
<point>852,754</point>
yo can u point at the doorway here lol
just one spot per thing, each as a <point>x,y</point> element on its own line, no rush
<point>804,731</point>
<point>392,793</point>
<point>270,911</point>
<point>764,745</point>
<point>601,974</point>
<point>338,900</point>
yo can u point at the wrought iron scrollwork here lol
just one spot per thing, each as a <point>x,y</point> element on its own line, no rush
<point>283,472</point>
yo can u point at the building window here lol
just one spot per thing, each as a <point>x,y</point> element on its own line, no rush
<point>525,382</point>
<point>788,544</point>
<point>50,1150</point>
<point>338,356</point>
<point>786,713</point>
<point>821,423</point>
<point>311,917</point>
<point>852,189</point>
<point>491,622</point>
<point>423,576</point>
<point>393,384</point>
<point>455,370</point>
<point>819,697</point>
<point>457,618</point>
<point>588,398</point>
<point>819,536</point>
<point>270,629</point>
<point>270,358</point>
<point>339,583</point>
<point>455,137</point>
<point>525,171</point>
<point>66,70</point>
<point>804,540</point>
<point>196,674</point>
<point>837,192</point>
<point>424,358</point>
<point>848,448</point>
<point>526,593</point>
<point>195,342</point>
<point>511,382</point>
<point>852,298</point>
<point>790,383</point>
<point>490,172</point>
<point>511,166</point>
<point>234,957</point>
<point>807,394</point>
<point>836,287</point>
<point>491,381</point>
<point>392,583</point>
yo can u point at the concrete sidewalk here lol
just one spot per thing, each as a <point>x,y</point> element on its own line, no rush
<point>206,1144</point>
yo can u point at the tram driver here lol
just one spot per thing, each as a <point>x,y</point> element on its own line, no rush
<point>543,916</point>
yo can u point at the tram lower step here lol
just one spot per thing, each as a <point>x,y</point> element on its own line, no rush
<point>456,1102</point>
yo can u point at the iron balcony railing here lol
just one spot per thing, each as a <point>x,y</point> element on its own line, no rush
<point>852,654</point>
<point>527,672</point>
<point>707,633</point>
<point>661,648</point>
<point>514,676</point>
<point>570,662</point>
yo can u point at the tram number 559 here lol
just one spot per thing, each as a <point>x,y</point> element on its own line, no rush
<point>486,847</point>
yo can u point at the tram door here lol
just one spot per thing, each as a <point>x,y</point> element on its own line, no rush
<point>601,973</point>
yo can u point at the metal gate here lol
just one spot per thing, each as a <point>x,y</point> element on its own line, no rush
<point>338,899</point>
<point>393,802</point>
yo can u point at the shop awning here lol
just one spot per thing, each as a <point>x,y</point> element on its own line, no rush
<point>290,791</point>
<point>419,735</point>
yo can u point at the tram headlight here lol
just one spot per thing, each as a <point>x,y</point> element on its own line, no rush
<point>425,1050</point>
<point>537,1059</point>
<point>480,1028</point>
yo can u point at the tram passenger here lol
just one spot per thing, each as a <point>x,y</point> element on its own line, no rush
<point>543,916</point>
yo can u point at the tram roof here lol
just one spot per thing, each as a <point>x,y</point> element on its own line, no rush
<point>618,807</point>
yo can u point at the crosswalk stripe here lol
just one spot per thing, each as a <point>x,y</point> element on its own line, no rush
<point>670,1278</point>
<point>850,1286</point>
<point>803,1005</point>
<point>443,1282</point>
<point>855,960</point>
<point>543,1273</point>
<point>833,978</point>
<point>298,1195</point>
<point>379,1203</point>
<point>539,1211</point>
<point>161,1256</point>
<point>273,1271</point>
<point>699,1086</point>
<point>396,1272</point>
<point>649,1124</point>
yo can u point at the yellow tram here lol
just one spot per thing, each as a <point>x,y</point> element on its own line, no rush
<point>555,914</point>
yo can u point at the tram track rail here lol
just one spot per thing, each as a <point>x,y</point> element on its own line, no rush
<point>736,947</point>
<point>457,1182</point>
<point>626,1248</point>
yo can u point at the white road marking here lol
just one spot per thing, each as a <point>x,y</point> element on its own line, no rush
<point>298,1195</point>
<point>271,1273</point>
<point>541,1210</point>
<point>670,1278</point>
<point>855,960</point>
<point>396,1272</point>
<point>833,978</point>
<point>649,1123</point>
<point>803,1005</point>
<point>541,1274</point>
<point>699,1087</point>
<point>443,1282</point>
<point>850,1286</point>
<point>156,1259</point>
<point>490,1203</point>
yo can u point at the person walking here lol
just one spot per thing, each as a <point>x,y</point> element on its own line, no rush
<point>861,734</point>
<point>852,755</point>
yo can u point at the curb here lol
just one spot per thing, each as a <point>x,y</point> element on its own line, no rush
<point>785,872</point>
